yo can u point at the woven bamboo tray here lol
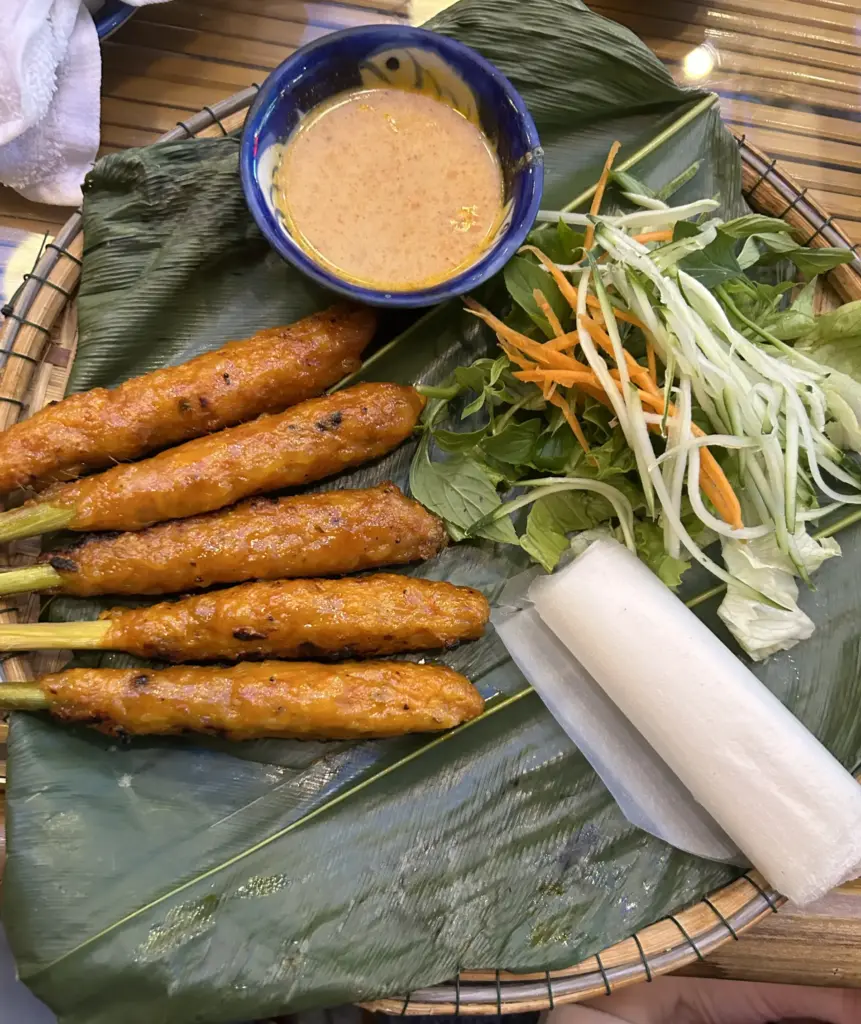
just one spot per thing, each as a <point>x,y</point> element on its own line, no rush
<point>37,345</point>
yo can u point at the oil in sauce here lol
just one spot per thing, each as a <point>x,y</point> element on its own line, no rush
<point>390,189</point>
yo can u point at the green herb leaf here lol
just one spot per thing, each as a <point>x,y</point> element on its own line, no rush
<point>459,490</point>
<point>498,367</point>
<point>761,304</point>
<point>804,304</point>
<point>559,241</point>
<point>598,415</point>
<point>799,319</point>
<point>613,458</point>
<point>628,183</point>
<point>714,264</point>
<point>680,180</point>
<point>515,443</point>
<point>771,247</point>
<point>555,451</point>
<point>755,299</point>
<point>474,377</point>
<point>755,224</point>
<point>502,532</point>
<point>519,320</point>
<point>522,276</point>
<point>453,441</point>
<point>476,405</point>
<point>570,242</point>
<point>819,261</point>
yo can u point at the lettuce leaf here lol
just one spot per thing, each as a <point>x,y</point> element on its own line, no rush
<point>649,538</point>
<point>551,519</point>
<point>835,339</point>
<point>761,629</point>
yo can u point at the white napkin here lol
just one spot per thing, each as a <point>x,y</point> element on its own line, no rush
<point>50,73</point>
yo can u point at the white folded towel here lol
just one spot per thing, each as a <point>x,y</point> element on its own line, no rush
<point>50,73</point>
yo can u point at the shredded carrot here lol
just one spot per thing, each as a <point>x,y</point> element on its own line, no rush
<point>568,290</point>
<point>515,357</point>
<point>599,193</point>
<point>597,392</point>
<point>588,383</point>
<point>564,341</point>
<point>637,373</point>
<point>519,341</point>
<point>628,318</point>
<point>712,478</point>
<point>566,378</point>
<point>713,481</point>
<point>545,307</point>
<point>654,236</point>
<point>571,420</point>
<point>566,371</point>
<point>547,310</point>
<point>652,361</point>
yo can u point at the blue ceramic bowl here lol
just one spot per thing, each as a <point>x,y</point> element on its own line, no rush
<point>110,16</point>
<point>394,55</point>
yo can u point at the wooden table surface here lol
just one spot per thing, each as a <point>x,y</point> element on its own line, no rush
<point>789,74</point>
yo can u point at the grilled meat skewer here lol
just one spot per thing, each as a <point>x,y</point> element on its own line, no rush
<point>315,439</point>
<point>349,618</point>
<point>327,534</point>
<point>255,700</point>
<point>265,373</point>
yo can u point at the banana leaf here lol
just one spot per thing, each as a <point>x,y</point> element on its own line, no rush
<point>187,881</point>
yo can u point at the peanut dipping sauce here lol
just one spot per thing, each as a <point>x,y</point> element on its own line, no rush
<point>390,189</point>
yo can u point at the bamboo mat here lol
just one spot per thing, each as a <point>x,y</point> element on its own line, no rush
<point>789,75</point>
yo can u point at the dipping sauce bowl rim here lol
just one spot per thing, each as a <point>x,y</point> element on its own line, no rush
<point>290,72</point>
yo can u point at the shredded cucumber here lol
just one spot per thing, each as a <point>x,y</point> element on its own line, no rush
<point>645,202</point>
<point>766,404</point>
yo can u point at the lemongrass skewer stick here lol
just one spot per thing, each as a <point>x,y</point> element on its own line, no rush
<point>30,520</point>
<point>22,697</point>
<point>31,577</point>
<point>51,636</point>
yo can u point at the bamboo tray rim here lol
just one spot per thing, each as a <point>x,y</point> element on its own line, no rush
<point>672,942</point>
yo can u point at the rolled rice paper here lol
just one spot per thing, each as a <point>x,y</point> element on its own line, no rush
<point>788,804</point>
<point>648,793</point>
